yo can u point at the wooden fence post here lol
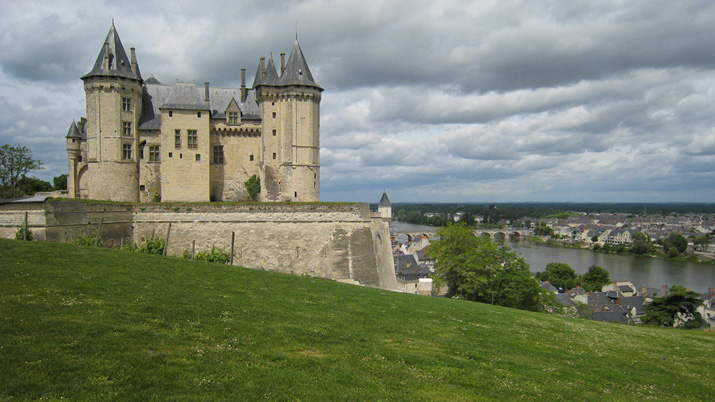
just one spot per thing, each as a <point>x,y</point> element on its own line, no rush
<point>166,243</point>
<point>233,242</point>
<point>193,249</point>
<point>24,229</point>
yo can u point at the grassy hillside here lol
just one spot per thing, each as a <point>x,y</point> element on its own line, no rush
<point>86,324</point>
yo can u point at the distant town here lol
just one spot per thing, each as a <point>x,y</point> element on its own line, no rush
<point>679,235</point>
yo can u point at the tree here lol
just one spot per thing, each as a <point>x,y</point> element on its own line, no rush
<point>559,274</point>
<point>641,243</point>
<point>595,278</point>
<point>677,241</point>
<point>253,186</point>
<point>31,185</point>
<point>15,163</point>
<point>477,269</point>
<point>702,241</point>
<point>542,230</point>
<point>60,182</point>
<point>679,310</point>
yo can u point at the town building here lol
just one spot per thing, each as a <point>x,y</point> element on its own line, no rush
<point>143,140</point>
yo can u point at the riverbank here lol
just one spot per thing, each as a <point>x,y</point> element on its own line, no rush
<point>703,258</point>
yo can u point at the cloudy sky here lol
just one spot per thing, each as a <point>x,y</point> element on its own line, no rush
<point>439,101</point>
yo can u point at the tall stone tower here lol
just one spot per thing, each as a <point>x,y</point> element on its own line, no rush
<point>290,107</point>
<point>114,103</point>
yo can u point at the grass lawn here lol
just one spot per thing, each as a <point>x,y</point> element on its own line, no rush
<point>88,324</point>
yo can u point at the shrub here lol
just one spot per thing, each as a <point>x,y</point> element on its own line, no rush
<point>20,234</point>
<point>150,246</point>
<point>253,186</point>
<point>214,255</point>
<point>88,240</point>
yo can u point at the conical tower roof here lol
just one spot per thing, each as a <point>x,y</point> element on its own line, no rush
<point>73,131</point>
<point>297,71</point>
<point>271,77</point>
<point>112,60</point>
<point>384,201</point>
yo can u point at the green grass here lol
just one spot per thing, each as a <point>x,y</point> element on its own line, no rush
<point>88,324</point>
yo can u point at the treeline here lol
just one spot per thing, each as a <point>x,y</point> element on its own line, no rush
<point>518,212</point>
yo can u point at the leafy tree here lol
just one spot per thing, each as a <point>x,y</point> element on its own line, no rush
<point>702,241</point>
<point>595,278</point>
<point>559,274</point>
<point>31,185</point>
<point>542,230</point>
<point>641,243</point>
<point>477,269</point>
<point>15,163</point>
<point>468,219</point>
<point>679,309</point>
<point>60,182</point>
<point>675,240</point>
<point>253,186</point>
<point>594,238</point>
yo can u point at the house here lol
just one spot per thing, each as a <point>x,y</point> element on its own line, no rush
<point>142,140</point>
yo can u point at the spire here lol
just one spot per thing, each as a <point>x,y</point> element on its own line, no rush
<point>73,131</point>
<point>260,72</point>
<point>271,77</point>
<point>384,201</point>
<point>112,60</point>
<point>296,70</point>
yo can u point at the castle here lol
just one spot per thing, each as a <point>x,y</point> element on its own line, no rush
<point>143,140</point>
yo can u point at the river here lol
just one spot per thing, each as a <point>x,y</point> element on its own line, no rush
<point>652,272</point>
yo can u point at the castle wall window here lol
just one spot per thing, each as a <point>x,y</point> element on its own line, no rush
<point>127,104</point>
<point>232,117</point>
<point>218,155</point>
<point>274,115</point>
<point>126,129</point>
<point>192,139</point>
<point>177,139</point>
<point>171,113</point>
<point>274,132</point>
<point>126,151</point>
<point>154,153</point>
<point>198,114</point>
<point>198,157</point>
<point>274,155</point>
<point>251,158</point>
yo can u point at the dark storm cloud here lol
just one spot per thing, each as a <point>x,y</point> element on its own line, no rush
<point>434,101</point>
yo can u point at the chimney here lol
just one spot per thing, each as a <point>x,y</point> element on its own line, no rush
<point>243,85</point>
<point>644,289</point>
<point>263,66</point>
<point>134,60</point>
<point>206,93</point>
<point>105,63</point>
<point>283,63</point>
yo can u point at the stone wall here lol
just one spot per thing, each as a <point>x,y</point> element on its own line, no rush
<point>334,241</point>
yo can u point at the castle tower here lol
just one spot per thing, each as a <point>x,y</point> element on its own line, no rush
<point>384,207</point>
<point>290,109</point>
<point>74,156</point>
<point>114,102</point>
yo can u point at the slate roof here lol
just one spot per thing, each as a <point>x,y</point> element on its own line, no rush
<point>635,301</point>
<point>610,316</point>
<point>186,95</point>
<point>564,299</point>
<point>73,131</point>
<point>296,72</point>
<point>119,63</point>
<point>384,201</point>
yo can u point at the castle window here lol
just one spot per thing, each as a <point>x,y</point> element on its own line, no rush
<point>198,157</point>
<point>127,104</point>
<point>274,115</point>
<point>198,114</point>
<point>142,187</point>
<point>193,139</point>
<point>171,113</point>
<point>218,155</point>
<point>154,153</point>
<point>274,155</point>
<point>170,155</point>
<point>177,139</point>
<point>251,158</point>
<point>232,117</point>
<point>126,151</point>
<point>126,129</point>
<point>274,132</point>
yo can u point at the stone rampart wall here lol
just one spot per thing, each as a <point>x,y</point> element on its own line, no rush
<point>334,241</point>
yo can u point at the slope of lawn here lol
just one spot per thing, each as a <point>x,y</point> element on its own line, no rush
<point>90,324</point>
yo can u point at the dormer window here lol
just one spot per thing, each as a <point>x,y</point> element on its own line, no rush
<point>232,118</point>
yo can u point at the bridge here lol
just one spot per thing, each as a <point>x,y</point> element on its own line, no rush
<point>494,234</point>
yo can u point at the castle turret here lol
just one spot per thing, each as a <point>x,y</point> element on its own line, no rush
<point>290,110</point>
<point>384,207</point>
<point>114,103</point>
